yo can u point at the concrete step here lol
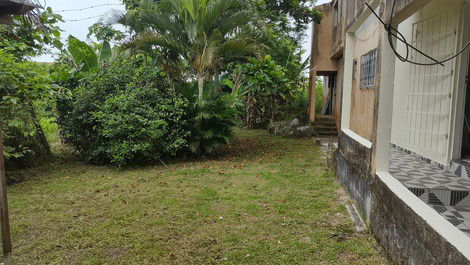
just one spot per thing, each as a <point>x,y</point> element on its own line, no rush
<point>326,130</point>
<point>324,117</point>
<point>326,134</point>
<point>326,121</point>
<point>320,127</point>
<point>324,124</point>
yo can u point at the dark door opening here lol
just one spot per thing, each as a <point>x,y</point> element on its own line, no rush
<point>328,107</point>
<point>466,126</point>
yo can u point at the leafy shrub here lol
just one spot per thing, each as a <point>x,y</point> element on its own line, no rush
<point>213,124</point>
<point>124,113</point>
<point>141,124</point>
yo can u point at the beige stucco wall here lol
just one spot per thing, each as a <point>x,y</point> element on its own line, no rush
<point>323,42</point>
<point>363,100</point>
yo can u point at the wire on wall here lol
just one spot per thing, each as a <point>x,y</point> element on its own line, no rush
<point>394,33</point>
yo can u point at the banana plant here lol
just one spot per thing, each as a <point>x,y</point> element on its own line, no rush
<point>84,56</point>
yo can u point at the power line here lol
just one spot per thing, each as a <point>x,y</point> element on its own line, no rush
<point>81,19</point>
<point>85,8</point>
<point>393,32</point>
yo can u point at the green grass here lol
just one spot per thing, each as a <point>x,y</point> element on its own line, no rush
<point>263,200</point>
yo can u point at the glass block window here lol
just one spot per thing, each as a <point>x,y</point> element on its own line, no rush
<point>368,69</point>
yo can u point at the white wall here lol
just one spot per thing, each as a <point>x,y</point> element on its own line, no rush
<point>423,94</point>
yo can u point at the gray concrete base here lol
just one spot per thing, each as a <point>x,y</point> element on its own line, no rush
<point>406,237</point>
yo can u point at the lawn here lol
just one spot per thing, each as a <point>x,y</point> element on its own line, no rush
<point>263,200</point>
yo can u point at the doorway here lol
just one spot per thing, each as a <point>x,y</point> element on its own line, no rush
<point>329,95</point>
<point>466,126</point>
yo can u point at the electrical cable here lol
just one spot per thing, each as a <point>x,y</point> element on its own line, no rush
<point>394,33</point>
<point>85,8</point>
<point>81,19</point>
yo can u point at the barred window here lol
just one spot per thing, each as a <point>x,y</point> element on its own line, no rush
<point>368,67</point>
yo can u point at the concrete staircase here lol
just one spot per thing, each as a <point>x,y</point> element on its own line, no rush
<point>325,126</point>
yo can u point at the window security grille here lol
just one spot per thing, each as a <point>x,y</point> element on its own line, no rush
<point>368,67</point>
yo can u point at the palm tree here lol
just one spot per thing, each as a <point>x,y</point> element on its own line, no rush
<point>206,33</point>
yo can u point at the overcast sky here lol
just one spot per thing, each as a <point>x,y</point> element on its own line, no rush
<point>88,12</point>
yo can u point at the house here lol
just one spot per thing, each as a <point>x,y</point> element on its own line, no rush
<point>400,95</point>
<point>14,7</point>
<point>327,61</point>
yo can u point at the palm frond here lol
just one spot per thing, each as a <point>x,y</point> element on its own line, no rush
<point>240,48</point>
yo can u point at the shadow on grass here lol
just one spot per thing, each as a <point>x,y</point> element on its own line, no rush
<point>247,145</point>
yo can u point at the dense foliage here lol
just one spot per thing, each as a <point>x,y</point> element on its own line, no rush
<point>23,86</point>
<point>203,32</point>
<point>29,36</point>
<point>288,16</point>
<point>26,89</point>
<point>174,83</point>
<point>265,89</point>
<point>124,113</point>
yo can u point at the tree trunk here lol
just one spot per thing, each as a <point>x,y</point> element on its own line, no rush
<point>238,81</point>
<point>200,86</point>
<point>273,104</point>
<point>41,136</point>
<point>170,80</point>
<point>5,218</point>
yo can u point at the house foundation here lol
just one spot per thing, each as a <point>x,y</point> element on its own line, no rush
<point>414,204</point>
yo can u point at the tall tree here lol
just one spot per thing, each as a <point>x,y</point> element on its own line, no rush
<point>203,32</point>
<point>288,16</point>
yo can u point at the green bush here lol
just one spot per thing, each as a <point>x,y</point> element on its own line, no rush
<point>125,113</point>
<point>213,124</point>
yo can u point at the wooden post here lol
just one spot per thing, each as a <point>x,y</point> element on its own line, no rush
<point>312,95</point>
<point>313,79</point>
<point>5,219</point>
